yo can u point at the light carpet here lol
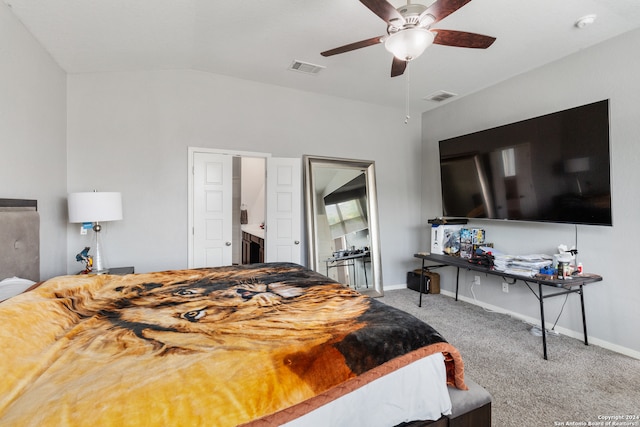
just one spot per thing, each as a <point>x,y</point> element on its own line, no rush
<point>579,385</point>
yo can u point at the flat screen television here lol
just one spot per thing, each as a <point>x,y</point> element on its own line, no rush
<point>552,168</point>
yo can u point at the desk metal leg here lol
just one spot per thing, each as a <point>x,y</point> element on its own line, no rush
<point>457,281</point>
<point>364,268</point>
<point>421,287</point>
<point>544,331</point>
<point>584,318</point>
<point>355,280</point>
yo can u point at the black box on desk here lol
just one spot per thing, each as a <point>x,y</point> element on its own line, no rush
<point>432,279</point>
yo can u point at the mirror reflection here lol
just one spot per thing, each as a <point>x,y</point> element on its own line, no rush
<point>342,223</point>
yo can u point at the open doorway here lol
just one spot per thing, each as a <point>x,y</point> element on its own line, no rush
<point>249,209</point>
<point>215,208</point>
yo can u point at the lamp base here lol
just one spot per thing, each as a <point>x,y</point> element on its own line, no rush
<point>99,263</point>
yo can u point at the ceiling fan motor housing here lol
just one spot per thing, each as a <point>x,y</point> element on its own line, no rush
<point>411,9</point>
<point>414,16</point>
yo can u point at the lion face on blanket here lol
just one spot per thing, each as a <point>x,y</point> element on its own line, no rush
<point>200,310</point>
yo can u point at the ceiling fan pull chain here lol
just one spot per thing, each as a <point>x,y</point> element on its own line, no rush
<point>407,117</point>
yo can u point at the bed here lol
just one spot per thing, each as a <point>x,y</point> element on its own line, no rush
<point>257,345</point>
<point>19,246</point>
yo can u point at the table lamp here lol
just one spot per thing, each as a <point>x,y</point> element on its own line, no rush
<point>95,207</point>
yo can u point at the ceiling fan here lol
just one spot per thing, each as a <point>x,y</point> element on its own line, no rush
<point>409,31</point>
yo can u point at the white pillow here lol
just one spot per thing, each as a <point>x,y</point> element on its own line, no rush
<point>13,286</point>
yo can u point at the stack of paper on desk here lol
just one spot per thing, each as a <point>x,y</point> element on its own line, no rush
<point>524,265</point>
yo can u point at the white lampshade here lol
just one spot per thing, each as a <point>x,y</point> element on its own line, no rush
<point>410,43</point>
<point>95,206</point>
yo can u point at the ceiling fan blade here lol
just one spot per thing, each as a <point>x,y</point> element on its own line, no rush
<point>385,10</point>
<point>462,39</point>
<point>443,8</point>
<point>397,67</point>
<point>353,46</point>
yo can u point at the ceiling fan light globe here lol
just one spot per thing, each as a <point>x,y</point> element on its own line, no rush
<point>410,43</point>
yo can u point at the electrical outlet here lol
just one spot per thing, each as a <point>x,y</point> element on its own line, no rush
<point>476,280</point>
<point>505,287</point>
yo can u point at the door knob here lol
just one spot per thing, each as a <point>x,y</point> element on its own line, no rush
<point>297,242</point>
<point>228,243</point>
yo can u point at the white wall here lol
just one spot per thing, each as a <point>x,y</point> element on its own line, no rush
<point>32,135</point>
<point>129,132</point>
<point>609,70</point>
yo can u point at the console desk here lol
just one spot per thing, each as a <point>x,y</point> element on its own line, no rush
<point>350,261</point>
<point>563,287</point>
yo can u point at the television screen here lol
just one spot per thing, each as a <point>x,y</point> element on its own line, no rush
<point>552,168</point>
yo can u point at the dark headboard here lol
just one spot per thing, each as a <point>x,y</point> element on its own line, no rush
<point>19,239</point>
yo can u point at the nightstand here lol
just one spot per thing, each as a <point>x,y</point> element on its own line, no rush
<point>121,271</point>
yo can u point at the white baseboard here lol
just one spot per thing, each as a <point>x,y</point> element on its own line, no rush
<point>394,287</point>
<point>536,321</point>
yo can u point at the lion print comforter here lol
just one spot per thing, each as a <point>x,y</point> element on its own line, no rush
<point>219,346</point>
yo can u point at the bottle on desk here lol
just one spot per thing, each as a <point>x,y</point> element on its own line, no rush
<point>564,270</point>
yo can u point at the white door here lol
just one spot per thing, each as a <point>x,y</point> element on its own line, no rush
<point>283,210</point>
<point>212,209</point>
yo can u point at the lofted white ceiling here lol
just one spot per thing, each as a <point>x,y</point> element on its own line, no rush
<point>259,39</point>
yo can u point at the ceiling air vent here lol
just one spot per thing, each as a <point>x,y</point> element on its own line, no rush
<point>305,67</point>
<point>439,96</point>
